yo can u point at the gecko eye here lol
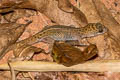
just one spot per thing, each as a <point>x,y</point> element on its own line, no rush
<point>99,26</point>
<point>100,30</point>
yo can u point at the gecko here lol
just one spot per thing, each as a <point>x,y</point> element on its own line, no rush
<point>62,33</point>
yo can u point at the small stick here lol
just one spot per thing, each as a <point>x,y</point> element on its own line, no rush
<point>12,72</point>
<point>32,78</point>
<point>90,66</point>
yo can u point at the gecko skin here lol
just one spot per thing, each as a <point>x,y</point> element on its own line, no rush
<point>63,33</point>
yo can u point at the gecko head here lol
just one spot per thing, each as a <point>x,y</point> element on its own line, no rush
<point>100,28</point>
<point>94,29</point>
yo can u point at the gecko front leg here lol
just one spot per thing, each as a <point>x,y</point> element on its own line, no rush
<point>82,43</point>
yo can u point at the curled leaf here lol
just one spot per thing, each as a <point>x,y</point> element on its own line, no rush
<point>68,55</point>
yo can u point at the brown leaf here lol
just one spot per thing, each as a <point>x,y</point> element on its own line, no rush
<point>17,14</point>
<point>68,55</point>
<point>50,8</point>
<point>9,34</point>
<point>65,5</point>
<point>5,75</point>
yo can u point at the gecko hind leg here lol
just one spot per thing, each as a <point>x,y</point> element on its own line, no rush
<point>49,41</point>
<point>50,48</point>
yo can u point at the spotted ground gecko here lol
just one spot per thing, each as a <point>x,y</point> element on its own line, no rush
<point>62,33</point>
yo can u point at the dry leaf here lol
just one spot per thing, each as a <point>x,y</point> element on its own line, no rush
<point>68,55</point>
<point>17,14</point>
<point>50,8</point>
<point>9,34</point>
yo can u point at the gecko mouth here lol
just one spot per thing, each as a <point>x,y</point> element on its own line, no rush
<point>105,29</point>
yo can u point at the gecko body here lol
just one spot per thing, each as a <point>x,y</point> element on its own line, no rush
<point>63,33</point>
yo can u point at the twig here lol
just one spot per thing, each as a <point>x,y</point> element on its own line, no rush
<point>32,78</point>
<point>90,66</point>
<point>12,72</point>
